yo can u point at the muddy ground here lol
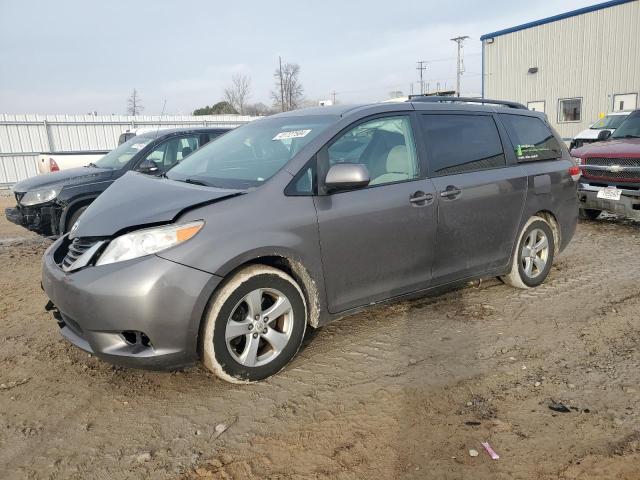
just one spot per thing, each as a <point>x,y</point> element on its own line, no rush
<point>401,391</point>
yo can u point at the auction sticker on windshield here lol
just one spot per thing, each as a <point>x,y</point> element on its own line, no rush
<point>609,193</point>
<point>292,134</point>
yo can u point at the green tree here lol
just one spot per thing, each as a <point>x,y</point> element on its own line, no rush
<point>220,108</point>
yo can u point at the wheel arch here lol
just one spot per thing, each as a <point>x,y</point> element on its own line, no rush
<point>72,208</point>
<point>555,227</point>
<point>285,263</point>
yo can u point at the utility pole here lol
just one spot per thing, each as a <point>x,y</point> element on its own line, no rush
<point>421,68</point>
<point>459,40</point>
<point>281,85</point>
<point>333,97</point>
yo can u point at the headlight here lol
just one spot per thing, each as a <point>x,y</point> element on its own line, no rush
<point>39,196</point>
<point>578,160</point>
<point>148,241</point>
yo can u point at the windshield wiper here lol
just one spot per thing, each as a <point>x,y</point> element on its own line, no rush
<point>196,182</point>
<point>628,136</point>
<point>91,164</point>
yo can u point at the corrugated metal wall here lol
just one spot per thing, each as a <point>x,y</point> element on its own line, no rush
<point>23,137</point>
<point>592,56</point>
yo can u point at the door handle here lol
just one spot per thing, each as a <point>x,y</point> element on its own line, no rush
<point>420,197</point>
<point>450,192</point>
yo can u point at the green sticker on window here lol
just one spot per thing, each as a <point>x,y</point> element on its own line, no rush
<point>529,152</point>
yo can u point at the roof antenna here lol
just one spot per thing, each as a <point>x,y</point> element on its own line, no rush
<point>161,115</point>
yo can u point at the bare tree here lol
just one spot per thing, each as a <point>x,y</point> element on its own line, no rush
<point>288,92</point>
<point>134,104</point>
<point>238,93</point>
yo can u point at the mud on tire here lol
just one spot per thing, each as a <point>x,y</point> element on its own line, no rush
<point>533,255</point>
<point>254,326</point>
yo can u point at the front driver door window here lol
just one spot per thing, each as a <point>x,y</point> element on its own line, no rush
<point>377,241</point>
<point>385,146</point>
<point>167,154</point>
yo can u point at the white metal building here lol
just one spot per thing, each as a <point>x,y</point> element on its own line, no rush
<point>23,137</point>
<point>575,66</point>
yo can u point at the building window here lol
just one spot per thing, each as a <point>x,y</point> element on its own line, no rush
<point>536,106</point>
<point>625,101</point>
<point>570,110</point>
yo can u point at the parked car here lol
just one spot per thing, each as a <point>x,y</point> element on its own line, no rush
<point>611,171</point>
<point>55,161</point>
<point>50,204</point>
<point>304,217</point>
<point>609,122</point>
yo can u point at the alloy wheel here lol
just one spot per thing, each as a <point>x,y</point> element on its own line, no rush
<point>535,253</point>
<point>259,327</point>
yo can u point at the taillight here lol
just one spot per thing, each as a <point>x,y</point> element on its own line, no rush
<point>575,172</point>
<point>53,166</point>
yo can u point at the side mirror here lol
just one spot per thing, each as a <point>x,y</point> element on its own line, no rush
<point>345,176</point>
<point>604,135</point>
<point>148,167</point>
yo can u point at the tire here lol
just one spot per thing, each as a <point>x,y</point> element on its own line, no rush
<point>529,274</point>
<point>589,214</point>
<point>74,218</point>
<point>245,301</point>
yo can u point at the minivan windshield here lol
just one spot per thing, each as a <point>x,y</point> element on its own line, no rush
<point>610,121</point>
<point>630,128</point>
<point>120,156</point>
<point>248,156</point>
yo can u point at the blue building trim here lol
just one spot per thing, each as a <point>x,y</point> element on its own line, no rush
<point>555,18</point>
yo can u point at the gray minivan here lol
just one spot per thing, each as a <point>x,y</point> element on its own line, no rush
<point>308,216</point>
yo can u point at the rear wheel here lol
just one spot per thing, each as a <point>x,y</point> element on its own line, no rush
<point>254,326</point>
<point>533,255</point>
<point>589,213</point>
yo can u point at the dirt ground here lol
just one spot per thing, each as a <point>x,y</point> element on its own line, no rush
<point>402,391</point>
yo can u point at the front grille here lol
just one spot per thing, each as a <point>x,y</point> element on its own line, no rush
<point>624,176</point>
<point>76,248</point>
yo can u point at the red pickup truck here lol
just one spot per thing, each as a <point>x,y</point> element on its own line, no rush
<point>610,168</point>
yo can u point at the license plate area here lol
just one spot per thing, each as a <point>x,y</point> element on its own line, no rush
<point>609,193</point>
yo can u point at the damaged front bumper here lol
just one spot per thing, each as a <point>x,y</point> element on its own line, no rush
<point>41,219</point>
<point>141,313</point>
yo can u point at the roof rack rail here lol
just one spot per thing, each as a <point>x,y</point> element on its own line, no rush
<point>483,101</point>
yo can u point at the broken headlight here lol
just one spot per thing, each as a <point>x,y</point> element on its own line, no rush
<point>37,197</point>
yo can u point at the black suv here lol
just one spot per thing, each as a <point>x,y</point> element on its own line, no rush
<point>50,204</point>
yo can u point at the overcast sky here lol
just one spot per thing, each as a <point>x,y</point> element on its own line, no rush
<point>76,56</point>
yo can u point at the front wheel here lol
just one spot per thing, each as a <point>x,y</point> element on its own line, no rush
<point>254,326</point>
<point>533,255</point>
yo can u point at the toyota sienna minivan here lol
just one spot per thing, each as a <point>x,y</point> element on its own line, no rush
<point>304,217</point>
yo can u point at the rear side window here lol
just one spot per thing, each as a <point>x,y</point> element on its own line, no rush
<point>531,138</point>
<point>461,143</point>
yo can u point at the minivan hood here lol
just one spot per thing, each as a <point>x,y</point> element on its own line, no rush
<point>621,147</point>
<point>136,200</point>
<point>64,178</point>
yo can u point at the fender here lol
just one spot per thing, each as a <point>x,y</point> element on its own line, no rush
<point>68,206</point>
<point>311,279</point>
